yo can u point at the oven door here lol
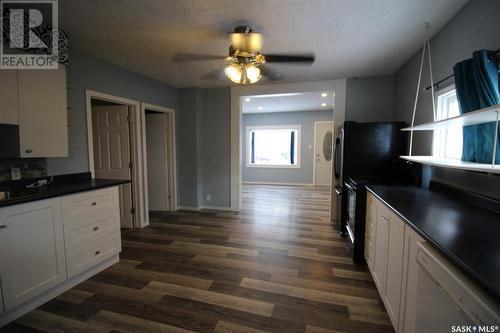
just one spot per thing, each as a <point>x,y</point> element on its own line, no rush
<point>351,209</point>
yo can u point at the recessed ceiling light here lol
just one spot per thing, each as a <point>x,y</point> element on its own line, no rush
<point>323,104</point>
<point>324,94</point>
<point>260,108</point>
<point>247,99</point>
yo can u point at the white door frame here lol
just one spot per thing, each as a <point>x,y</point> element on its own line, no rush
<point>173,173</point>
<point>316,123</point>
<point>141,217</point>
<point>338,86</point>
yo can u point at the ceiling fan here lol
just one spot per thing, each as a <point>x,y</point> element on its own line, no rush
<point>245,63</point>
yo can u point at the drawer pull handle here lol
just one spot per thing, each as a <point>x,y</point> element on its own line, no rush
<point>3,226</point>
<point>94,203</point>
<point>96,228</point>
<point>97,252</point>
<point>28,151</point>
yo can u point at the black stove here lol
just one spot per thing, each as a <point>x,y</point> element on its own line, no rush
<point>356,210</point>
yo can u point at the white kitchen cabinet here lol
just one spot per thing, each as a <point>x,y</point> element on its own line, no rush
<point>8,97</point>
<point>91,228</point>
<point>394,275</point>
<point>43,118</point>
<point>370,228</point>
<point>381,246</point>
<point>409,282</point>
<point>32,250</point>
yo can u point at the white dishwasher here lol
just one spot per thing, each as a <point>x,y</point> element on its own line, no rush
<point>447,301</point>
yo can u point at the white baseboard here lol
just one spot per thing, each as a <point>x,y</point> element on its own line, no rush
<point>216,208</point>
<point>278,183</point>
<point>190,208</point>
<point>196,209</point>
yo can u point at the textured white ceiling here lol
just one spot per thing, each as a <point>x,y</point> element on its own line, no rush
<point>310,101</point>
<point>351,38</point>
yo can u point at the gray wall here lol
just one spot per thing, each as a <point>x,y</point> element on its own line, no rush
<point>204,147</point>
<point>474,27</point>
<point>215,146</point>
<point>304,175</point>
<point>87,72</point>
<point>370,99</point>
<point>187,146</point>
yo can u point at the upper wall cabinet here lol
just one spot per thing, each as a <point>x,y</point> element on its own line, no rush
<point>43,117</point>
<point>8,97</point>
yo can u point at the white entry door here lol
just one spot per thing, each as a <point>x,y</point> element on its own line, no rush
<point>323,152</point>
<point>110,133</point>
<point>157,154</point>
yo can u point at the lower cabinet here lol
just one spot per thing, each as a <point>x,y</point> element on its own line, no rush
<point>407,317</point>
<point>380,256</point>
<point>371,218</point>
<point>91,228</point>
<point>395,248</point>
<point>387,269</point>
<point>421,290</point>
<point>32,250</point>
<point>45,244</point>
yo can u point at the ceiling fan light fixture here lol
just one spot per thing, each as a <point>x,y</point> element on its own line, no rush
<point>253,73</point>
<point>242,73</point>
<point>234,72</point>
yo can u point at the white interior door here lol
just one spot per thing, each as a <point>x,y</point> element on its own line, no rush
<point>157,155</point>
<point>111,137</point>
<point>323,152</point>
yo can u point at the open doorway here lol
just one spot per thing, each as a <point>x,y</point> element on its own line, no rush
<point>160,159</point>
<point>287,149</point>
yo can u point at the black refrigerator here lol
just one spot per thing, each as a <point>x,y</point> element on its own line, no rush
<point>368,151</point>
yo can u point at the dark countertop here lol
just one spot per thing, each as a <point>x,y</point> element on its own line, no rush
<point>57,189</point>
<point>465,233</point>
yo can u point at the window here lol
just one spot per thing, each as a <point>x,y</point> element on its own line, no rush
<point>273,146</point>
<point>447,142</point>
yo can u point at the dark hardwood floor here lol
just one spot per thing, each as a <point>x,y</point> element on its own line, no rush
<point>278,266</point>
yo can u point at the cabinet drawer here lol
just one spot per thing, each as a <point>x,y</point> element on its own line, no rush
<point>87,230</point>
<point>92,253</point>
<point>89,204</point>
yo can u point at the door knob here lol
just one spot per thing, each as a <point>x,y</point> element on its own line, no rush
<point>28,151</point>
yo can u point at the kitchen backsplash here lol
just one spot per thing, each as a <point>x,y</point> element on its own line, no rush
<point>28,168</point>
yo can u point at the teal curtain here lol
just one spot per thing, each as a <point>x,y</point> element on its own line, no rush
<point>476,82</point>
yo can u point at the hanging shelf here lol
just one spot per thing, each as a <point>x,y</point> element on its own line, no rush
<point>486,115</point>
<point>453,164</point>
<point>481,116</point>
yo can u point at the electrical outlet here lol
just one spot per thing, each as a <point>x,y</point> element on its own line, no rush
<point>15,173</point>
<point>209,197</point>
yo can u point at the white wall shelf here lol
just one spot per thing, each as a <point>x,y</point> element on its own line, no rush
<point>453,164</point>
<point>481,116</point>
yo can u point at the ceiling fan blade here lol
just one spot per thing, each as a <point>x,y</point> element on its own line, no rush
<point>299,58</point>
<point>185,57</point>
<point>214,75</point>
<point>269,73</point>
